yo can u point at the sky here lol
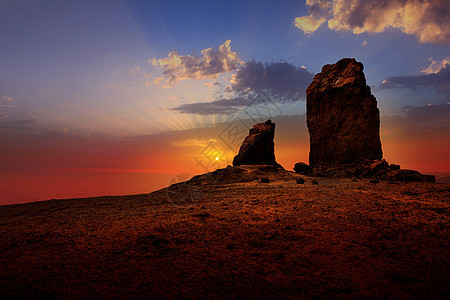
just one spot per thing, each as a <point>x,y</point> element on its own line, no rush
<point>125,97</point>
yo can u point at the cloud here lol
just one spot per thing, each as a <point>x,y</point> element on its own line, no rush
<point>7,105</point>
<point>22,122</point>
<point>6,101</point>
<point>220,106</point>
<point>209,65</point>
<point>429,114</point>
<point>19,124</point>
<point>437,76</point>
<point>436,66</point>
<point>420,122</point>
<point>429,20</point>
<point>193,142</point>
<point>318,12</point>
<point>6,98</point>
<point>364,43</point>
<point>418,139</point>
<point>256,83</point>
<point>157,80</point>
<point>281,78</point>
<point>309,24</point>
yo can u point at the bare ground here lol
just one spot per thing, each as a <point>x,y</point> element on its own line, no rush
<point>339,238</point>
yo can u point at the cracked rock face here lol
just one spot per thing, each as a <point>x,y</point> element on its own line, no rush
<point>342,116</point>
<point>258,146</point>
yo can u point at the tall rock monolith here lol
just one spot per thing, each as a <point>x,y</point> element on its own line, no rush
<point>342,117</point>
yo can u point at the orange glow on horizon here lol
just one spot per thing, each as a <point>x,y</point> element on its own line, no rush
<point>68,166</point>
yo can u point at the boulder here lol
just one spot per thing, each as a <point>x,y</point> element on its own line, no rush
<point>342,116</point>
<point>300,180</point>
<point>378,166</point>
<point>258,146</point>
<point>302,168</point>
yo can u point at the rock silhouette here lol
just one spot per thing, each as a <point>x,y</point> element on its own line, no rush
<point>344,127</point>
<point>302,168</point>
<point>258,146</point>
<point>379,169</point>
<point>342,116</point>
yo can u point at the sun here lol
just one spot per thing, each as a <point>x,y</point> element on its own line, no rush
<point>217,158</point>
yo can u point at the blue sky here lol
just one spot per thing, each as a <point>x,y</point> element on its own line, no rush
<point>60,58</point>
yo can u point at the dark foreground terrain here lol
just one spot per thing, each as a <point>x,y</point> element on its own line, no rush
<point>279,239</point>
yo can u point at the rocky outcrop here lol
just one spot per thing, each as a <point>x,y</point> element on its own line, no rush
<point>379,169</point>
<point>244,173</point>
<point>342,116</point>
<point>344,124</point>
<point>302,168</point>
<point>258,146</point>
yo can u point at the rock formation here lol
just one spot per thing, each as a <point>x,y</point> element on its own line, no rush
<point>379,169</point>
<point>258,146</point>
<point>342,116</point>
<point>344,127</point>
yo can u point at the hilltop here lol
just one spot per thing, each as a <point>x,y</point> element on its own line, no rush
<point>209,238</point>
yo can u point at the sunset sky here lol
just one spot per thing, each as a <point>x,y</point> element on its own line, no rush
<point>125,97</point>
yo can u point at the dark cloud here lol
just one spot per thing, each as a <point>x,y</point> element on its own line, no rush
<point>229,105</point>
<point>430,113</point>
<point>440,81</point>
<point>281,78</point>
<point>256,83</point>
<point>222,106</point>
<point>418,139</point>
<point>19,124</point>
<point>419,122</point>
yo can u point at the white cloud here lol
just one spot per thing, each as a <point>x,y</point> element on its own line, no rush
<point>318,10</point>
<point>209,65</point>
<point>309,24</point>
<point>436,66</point>
<point>428,20</point>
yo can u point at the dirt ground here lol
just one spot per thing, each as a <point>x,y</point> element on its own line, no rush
<point>338,238</point>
